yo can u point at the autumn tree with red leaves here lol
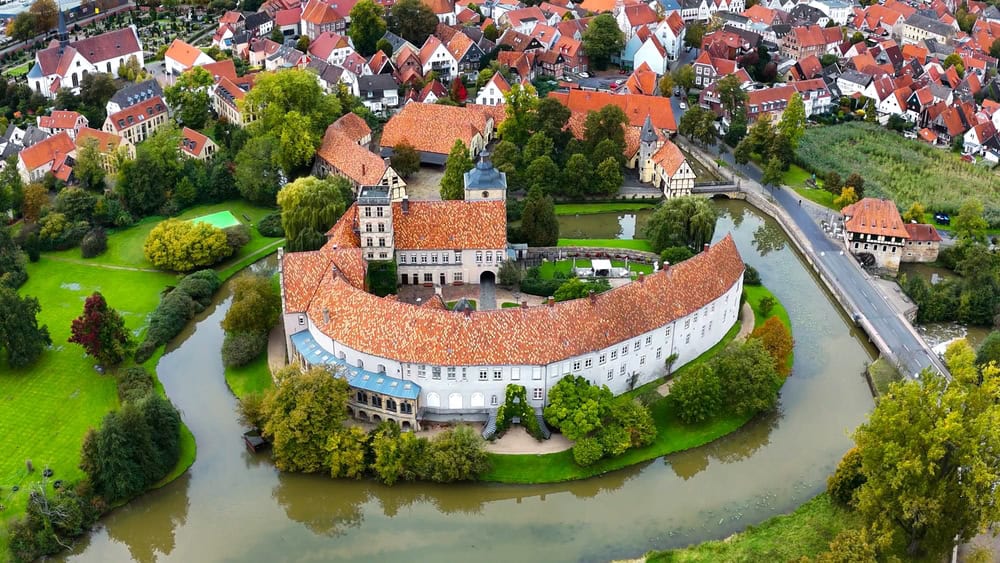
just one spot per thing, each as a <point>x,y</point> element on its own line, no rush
<point>778,342</point>
<point>458,90</point>
<point>101,331</point>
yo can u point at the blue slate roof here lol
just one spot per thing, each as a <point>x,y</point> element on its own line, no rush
<point>356,377</point>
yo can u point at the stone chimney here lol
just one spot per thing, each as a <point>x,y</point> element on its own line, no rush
<point>592,295</point>
<point>642,277</point>
<point>405,204</point>
<point>468,312</point>
<point>524,304</point>
<point>705,248</point>
<point>551,301</point>
<point>666,266</point>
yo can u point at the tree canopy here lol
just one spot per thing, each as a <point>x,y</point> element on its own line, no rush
<point>143,183</point>
<point>412,20</point>
<point>182,246</point>
<point>681,221</point>
<point>101,331</point>
<point>311,204</point>
<point>20,334</point>
<point>576,407</point>
<point>539,226</point>
<point>459,162</point>
<point>602,39</point>
<point>367,27</point>
<point>188,96</point>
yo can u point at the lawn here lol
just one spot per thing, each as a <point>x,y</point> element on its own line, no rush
<point>882,374</point>
<point>672,435</point>
<point>451,304</point>
<point>592,208</point>
<point>509,305</point>
<point>547,270</point>
<point>19,70</point>
<point>900,169</point>
<point>795,177</point>
<point>48,407</point>
<point>254,377</point>
<point>634,244</point>
<point>806,532</point>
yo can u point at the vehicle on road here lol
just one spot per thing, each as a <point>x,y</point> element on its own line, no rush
<point>584,75</point>
<point>683,105</point>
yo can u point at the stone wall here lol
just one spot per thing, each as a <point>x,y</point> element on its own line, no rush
<point>921,251</point>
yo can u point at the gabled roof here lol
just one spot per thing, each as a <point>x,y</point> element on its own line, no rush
<point>430,46</point>
<point>60,119</point>
<point>377,83</point>
<point>184,53</point>
<point>440,7</point>
<point>351,125</point>
<point>224,68</point>
<point>287,17</point>
<point>922,233</point>
<point>450,225</point>
<point>106,142</point>
<point>193,142</point>
<point>669,157</point>
<point>326,43</point>
<point>433,128</point>
<point>137,114</point>
<point>635,106</point>
<point>120,43</point>
<point>500,82</point>
<point>360,165</point>
<point>318,13</point>
<point>640,14</point>
<point>874,217</point>
<point>47,151</point>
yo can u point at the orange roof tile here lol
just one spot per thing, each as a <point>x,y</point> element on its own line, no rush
<point>106,142</point>
<point>450,225</point>
<point>635,106</point>
<point>224,68</point>
<point>923,233</point>
<point>433,128</point>
<point>540,335</point>
<point>352,125</point>
<point>60,119</point>
<point>360,165</point>
<point>874,217</point>
<point>49,150</point>
<point>136,114</point>
<point>669,157</point>
<point>184,53</point>
<point>193,142</point>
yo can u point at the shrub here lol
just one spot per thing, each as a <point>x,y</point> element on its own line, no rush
<point>270,226</point>
<point>847,479</point>
<point>381,277</point>
<point>241,348</point>
<point>183,246</point>
<point>250,410</point>
<point>614,439</point>
<point>777,340</point>
<point>237,237</point>
<point>766,305</point>
<point>675,254</point>
<point>134,384</point>
<point>587,451</point>
<point>59,233</point>
<point>200,285</point>
<point>751,276</point>
<point>540,287</point>
<point>457,454</point>
<point>94,243</point>
<point>176,308</point>
<point>509,274</point>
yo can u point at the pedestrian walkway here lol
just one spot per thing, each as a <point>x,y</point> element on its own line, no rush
<point>277,355</point>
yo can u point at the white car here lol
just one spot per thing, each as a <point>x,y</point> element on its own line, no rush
<point>584,75</point>
<point>683,105</point>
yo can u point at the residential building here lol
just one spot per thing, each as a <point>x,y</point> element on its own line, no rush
<point>432,129</point>
<point>227,99</point>
<point>135,124</point>
<point>662,164</point>
<point>54,154</point>
<point>636,107</point>
<point>64,64</point>
<point>108,146</point>
<point>922,244</point>
<point>196,145</point>
<point>319,17</point>
<point>874,231</point>
<point>379,92</point>
<point>808,40</point>
<point>492,93</point>
<point>258,24</point>
<point>344,152</point>
<point>61,120</point>
<point>181,56</point>
<point>919,27</point>
<point>332,47</point>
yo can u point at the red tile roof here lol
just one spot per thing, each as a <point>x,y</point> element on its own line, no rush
<point>184,53</point>
<point>111,45</point>
<point>287,17</point>
<point>193,142</point>
<point>433,128</point>
<point>224,68</point>
<point>539,335</point>
<point>635,106</point>
<point>669,157</point>
<point>137,114</point>
<point>450,225</point>
<point>874,217</point>
<point>106,142</point>
<point>48,150</point>
<point>318,13</point>
<point>352,125</point>
<point>922,233</point>
<point>360,165</point>
<point>60,119</point>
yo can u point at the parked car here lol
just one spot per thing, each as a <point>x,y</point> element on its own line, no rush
<point>942,218</point>
<point>683,105</point>
<point>584,75</point>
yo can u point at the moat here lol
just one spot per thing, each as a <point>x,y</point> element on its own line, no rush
<point>232,505</point>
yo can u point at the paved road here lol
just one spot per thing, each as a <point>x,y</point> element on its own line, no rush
<point>891,326</point>
<point>487,294</point>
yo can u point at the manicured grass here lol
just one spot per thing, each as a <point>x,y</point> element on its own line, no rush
<point>883,374</point>
<point>125,246</point>
<point>900,169</point>
<point>19,70</point>
<point>592,208</point>
<point>806,532</point>
<point>509,305</point>
<point>634,244</point>
<point>220,219</point>
<point>547,270</point>
<point>795,177</point>
<point>254,377</point>
<point>451,304</point>
<point>757,292</point>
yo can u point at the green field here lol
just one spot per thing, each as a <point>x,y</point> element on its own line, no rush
<point>48,407</point>
<point>592,208</point>
<point>806,532</point>
<point>547,270</point>
<point>219,220</point>
<point>795,177</point>
<point>254,377</point>
<point>671,434</point>
<point>900,169</point>
<point>634,244</point>
<point>19,70</point>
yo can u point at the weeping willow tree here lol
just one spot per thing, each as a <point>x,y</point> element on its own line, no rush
<point>309,207</point>
<point>683,221</point>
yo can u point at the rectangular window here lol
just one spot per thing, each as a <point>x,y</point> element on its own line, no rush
<point>434,258</point>
<point>515,374</point>
<point>413,259</point>
<point>444,258</point>
<point>588,363</point>
<point>667,333</point>
<point>536,373</point>
<point>457,276</point>
<point>428,278</point>
<point>621,370</point>
<point>383,255</point>
<point>482,375</point>
<point>703,331</point>
<point>649,341</point>
<point>576,366</point>
<point>625,350</point>
<point>423,258</point>
<point>489,257</point>
<point>368,211</point>
<point>368,227</point>
<point>536,394</point>
<point>402,259</point>
<point>602,359</point>
<point>696,318</point>
<point>642,360</point>
<point>687,324</point>
<point>451,374</point>
<point>493,400</point>
<point>687,339</point>
<point>659,353</point>
<point>436,372</point>
<point>381,227</point>
<point>378,211</point>
<point>458,256</point>
<point>614,355</point>
<point>368,242</point>
<point>611,374</point>
<point>636,345</point>
<point>381,242</point>
<point>499,256</point>
<point>479,256</point>
<point>422,371</point>
<point>497,375</point>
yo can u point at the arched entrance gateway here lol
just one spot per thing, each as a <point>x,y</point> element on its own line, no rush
<point>487,277</point>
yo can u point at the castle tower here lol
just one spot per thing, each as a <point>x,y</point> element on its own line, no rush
<point>375,222</point>
<point>484,182</point>
<point>648,143</point>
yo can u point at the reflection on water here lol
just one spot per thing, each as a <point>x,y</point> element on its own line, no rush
<point>235,506</point>
<point>625,226</point>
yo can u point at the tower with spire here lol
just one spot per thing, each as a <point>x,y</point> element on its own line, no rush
<point>649,142</point>
<point>63,34</point>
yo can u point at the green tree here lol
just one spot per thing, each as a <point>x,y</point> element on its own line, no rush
<point>682,221</point>
<point>551,118</point>
<point>101,331</point>
<point>277,36</point>
<point>847,197</point>
<point>256,305</point>
<point>609,176</point>
<point>543,173</point>
<point>412,20</point>
<point>576,407</point>
<point>367,27</point>
<point>346,449</point>
<point>731,95</point>
<point>833,183</point>
<point>684,77</point>
<point>989,350</point>
<point>666,85</point>
<point>675,254</point>
<point>459,162</point>
<point>608,123</point>
<point>636,420</point>
<point>969,225</point>
<point>539,225</point>
<point>696,394</point>
<point>750,377</point>
<point>698,124</point>
<point>457,454</point>
<point>578,176</point>
<point>694,34</point>
<point>301,413</point>
<point>12,270</point>
<point>11,188</point>
<point>575,288</point>
<point>310,203</point>
<point>96,88</point>
<point>857,182</point>
<point>183,246</point>
<point>22,27</point>
<point>604,150</point>
<point>772,172</point>
<point>491,32</point>
<point>843,485</point>
<point>405,160</point>
<point>20,334</point>
<point>88,169</point>
<point>995,48</point>
<point>538,145</point>
<point>926,457</point>
<point>385,46</point>
<point>389,462</point>
<point>602,39</point>
<point>915,214</point>
<point>520,103</point>
<point>955,60</point>
<point>793,121</point>
<point>258,178</point>
<point>189,98</point>
<point>142,182</point>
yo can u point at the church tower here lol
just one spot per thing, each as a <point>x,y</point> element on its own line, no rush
<point>649,142</point>
<point>484,182</point>
<point>63,34</point>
